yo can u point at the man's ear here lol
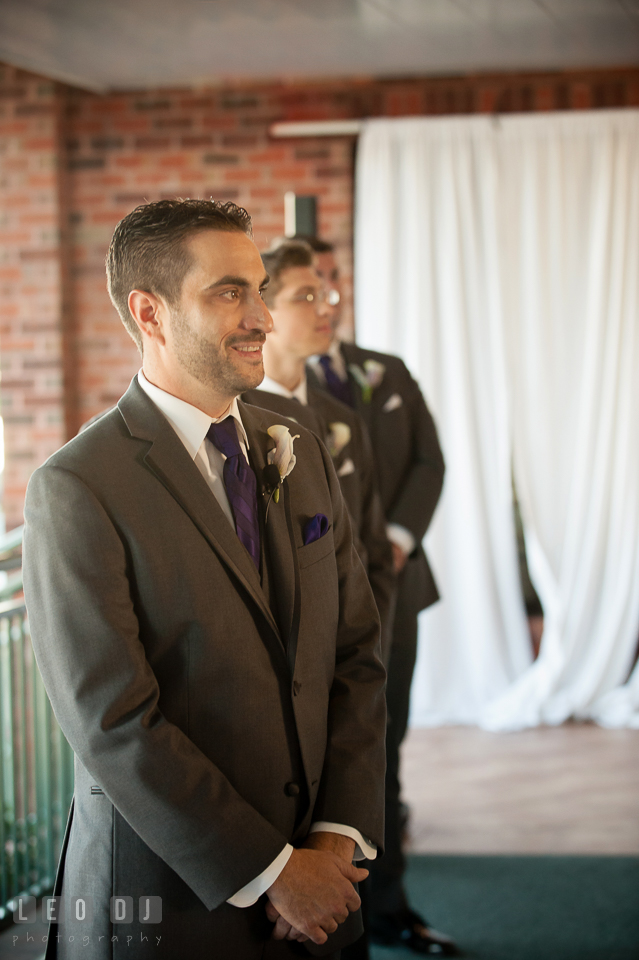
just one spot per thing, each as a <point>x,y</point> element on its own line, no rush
<point>150,314</point>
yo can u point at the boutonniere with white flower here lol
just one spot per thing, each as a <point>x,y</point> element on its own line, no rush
<point>339,436</point>
<point>368,377</point>
<point>281,460</point>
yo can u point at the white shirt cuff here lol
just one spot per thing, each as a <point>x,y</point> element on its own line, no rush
<point>249,894</point>
<point>402,537</point>
<point>364,849</point>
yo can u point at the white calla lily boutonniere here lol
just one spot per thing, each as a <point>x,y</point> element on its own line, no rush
<point>281,457</point>
<point>368,377</point>
<point>337,439</point>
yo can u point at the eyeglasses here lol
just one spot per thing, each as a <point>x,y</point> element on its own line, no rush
<point>331,297</point>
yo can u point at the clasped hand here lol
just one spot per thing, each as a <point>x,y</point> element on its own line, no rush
<point>314,893</point>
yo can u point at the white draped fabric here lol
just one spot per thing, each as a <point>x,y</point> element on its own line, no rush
<point>499,259</point>
<point>427,288</point>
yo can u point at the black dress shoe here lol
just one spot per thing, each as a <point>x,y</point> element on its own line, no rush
<point>406,928</point>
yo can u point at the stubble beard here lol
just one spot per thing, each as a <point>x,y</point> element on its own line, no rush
<point>210,365</point>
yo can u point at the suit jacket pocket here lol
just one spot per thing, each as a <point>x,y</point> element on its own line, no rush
<point>315,551</point>
<point>394,402</point>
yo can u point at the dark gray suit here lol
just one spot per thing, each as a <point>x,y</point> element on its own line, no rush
<point>410,465</point>
<point>359,487</point>
<point>410,471</point>
<point>361,492</point>
<point>218,713</point>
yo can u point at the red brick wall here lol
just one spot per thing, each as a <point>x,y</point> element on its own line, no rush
<point>73,163</point>
<point>31,280</point>
<point>126,149</point>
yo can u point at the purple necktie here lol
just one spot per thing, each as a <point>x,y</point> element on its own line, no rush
<point>341,389</point>
<point>240,485</point>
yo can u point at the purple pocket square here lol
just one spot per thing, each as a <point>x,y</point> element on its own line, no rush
<point>315,528</point>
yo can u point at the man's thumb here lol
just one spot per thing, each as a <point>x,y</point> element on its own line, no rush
<point>353,873</point>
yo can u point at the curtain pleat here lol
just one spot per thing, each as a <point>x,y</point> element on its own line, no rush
<point>499,259</point>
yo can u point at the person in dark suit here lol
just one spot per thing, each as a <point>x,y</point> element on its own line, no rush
<point>302,325</point>
<point>410,469</point>
<point>205,631</point>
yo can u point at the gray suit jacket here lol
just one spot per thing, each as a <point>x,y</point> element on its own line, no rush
<point>358,485</point>
<point>213,716</point>
<point>409,461</point>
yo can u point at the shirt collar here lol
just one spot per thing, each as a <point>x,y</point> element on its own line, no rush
<point>190,423</point>
<point>299,393</point>
<point>337,361</point>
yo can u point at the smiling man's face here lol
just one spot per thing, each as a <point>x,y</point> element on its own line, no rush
<point>218,328</point>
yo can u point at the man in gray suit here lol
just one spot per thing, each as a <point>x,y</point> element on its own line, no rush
<point>302,327</point>
<point>410,470</point>
<point>205,631</point>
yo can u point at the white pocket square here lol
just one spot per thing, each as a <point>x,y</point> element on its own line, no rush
<point>393,403</point>
<point>346,468</point>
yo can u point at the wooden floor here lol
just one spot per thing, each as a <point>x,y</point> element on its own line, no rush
<point>567,790</point>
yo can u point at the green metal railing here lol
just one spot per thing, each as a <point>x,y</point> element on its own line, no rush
<point>36,763</point>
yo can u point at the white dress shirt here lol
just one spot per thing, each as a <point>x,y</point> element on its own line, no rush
<point>192,425</point>
<point>299,393</point>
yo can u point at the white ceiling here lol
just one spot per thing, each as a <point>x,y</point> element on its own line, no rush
<point>124,44</point>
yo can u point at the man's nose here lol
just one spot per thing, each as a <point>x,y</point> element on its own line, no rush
<point>323,309</point>
<point>257,316</point>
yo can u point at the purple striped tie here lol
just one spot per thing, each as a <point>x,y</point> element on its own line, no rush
<point>240,485</point>
<point>341,389</point>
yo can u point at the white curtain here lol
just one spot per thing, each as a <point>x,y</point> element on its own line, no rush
<point>499,259</point>
<point>426,288</point>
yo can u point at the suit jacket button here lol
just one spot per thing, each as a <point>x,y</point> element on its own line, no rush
<point>292,790</point>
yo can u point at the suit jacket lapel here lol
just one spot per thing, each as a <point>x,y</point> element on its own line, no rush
<point>173,467</point>
<point>364,409</point>
<point>280,550</point>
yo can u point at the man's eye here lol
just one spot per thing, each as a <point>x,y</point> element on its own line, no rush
<point>230,294</point>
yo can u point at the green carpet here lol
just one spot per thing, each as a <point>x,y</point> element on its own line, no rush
<point>529,908</point>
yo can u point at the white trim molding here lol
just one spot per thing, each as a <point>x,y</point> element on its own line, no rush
<point>317,128</point>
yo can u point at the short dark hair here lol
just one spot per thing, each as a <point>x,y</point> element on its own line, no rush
<point>148,252</point>
<point>289,253</point>
<point>316,245</point>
